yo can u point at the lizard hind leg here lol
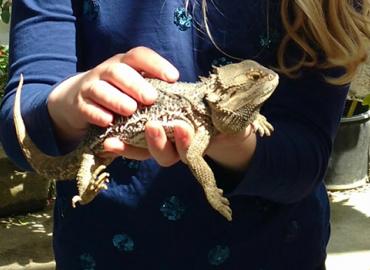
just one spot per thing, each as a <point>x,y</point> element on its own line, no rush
<point>91,179</point>
<point>205,176</point>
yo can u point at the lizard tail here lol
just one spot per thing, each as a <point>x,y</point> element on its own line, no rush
<point>42,163</point>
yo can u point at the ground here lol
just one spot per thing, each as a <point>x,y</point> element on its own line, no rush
<point>25,241</point>
<point>349,247</point>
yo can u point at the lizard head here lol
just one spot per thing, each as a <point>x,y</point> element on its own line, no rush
<point>239,91</point>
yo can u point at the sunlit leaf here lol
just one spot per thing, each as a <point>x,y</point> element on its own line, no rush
<point>366,101</point>
<point>5,13</point>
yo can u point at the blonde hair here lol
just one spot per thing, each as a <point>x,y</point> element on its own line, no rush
<point>330,33</point>
<point>335,28</point>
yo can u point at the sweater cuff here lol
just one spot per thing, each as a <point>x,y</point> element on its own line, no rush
<point>36,117</point>
<point>236,183</point>
<point>251,179</point>
<point>226,179</point>
<point>38,122</point>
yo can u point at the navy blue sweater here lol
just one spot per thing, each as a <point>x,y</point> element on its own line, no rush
<point>158,218</point>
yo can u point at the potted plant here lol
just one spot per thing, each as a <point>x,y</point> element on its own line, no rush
<point>349,162</point>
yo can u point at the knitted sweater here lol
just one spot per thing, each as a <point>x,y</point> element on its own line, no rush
<point>158,218</point>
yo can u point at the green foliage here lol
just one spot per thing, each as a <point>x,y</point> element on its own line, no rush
<point>5,10</point>
<point>4,57</point>
<point>366,101</point>
<point>5,7</point>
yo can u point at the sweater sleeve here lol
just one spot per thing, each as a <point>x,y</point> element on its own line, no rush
<point>287,166</point>
<point>43,49</point>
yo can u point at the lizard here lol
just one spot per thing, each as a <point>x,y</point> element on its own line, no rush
<point>226,101</point>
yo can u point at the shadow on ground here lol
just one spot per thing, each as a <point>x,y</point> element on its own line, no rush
<point>351,227</point>
<point>350,219</point>
<point>26,239</point>
<point>349,246</point>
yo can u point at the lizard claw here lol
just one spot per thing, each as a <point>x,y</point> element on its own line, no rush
<point>98,181</point>
<point>75,200</point>
<point>262,126</point>
<point>225,210</point>
<point>221,204</point>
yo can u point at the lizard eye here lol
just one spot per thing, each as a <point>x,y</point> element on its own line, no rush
<point>254,75</point>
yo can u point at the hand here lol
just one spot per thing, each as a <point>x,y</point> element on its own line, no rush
<point>114,86</point>
<point>234,151</point>
<point>159,146</point>
<point>230,151</point>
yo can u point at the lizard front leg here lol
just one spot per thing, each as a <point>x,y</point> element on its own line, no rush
<point>261,125</point>
<point>91,178</point>
<point>204,174</point>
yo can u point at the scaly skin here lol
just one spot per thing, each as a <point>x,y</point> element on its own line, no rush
<point>225,102</point>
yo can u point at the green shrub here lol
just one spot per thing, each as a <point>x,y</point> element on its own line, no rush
<point>5,7</point>
<point>4,56</point>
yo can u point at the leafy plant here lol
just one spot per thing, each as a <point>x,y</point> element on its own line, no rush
<point>4,57</point>
<point>366,101</point>
<point>5,7</point>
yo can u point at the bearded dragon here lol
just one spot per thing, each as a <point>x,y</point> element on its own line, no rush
<point>226,101</point>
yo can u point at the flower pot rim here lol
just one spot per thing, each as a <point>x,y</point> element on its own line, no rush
<point>356,118</point>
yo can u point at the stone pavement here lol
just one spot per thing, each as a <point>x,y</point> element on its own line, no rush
<point>25,241</point>
<point>349,247</point>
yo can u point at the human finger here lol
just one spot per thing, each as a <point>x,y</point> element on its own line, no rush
<point>183,133</point>
<point>151,64</point>
<point>108,96</point>
<point>117,147</point>
<point>129,81</point>
<point>94,114</point>
<point>159,145</point>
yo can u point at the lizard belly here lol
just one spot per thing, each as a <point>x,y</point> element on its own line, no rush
<point>132,130</point>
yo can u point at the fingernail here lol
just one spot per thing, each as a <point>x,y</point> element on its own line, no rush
<point>130,105</point>
<point>153,133</point>
<point>179,132</point>
<point>150,94</point>
<point>182,136</point>
<point>114,145</point>
<point>172,74</point>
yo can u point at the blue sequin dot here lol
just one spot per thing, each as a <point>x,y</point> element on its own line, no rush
<point>182,19</point>
<point>172,208</point>
<point>87,262</point>
<point>218,255</point>
<point>265,41</point>
<point>132,164</point>
<point>268,39</point>
<point>123,242</point>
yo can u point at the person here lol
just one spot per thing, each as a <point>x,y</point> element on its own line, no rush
<point>85,61</point>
